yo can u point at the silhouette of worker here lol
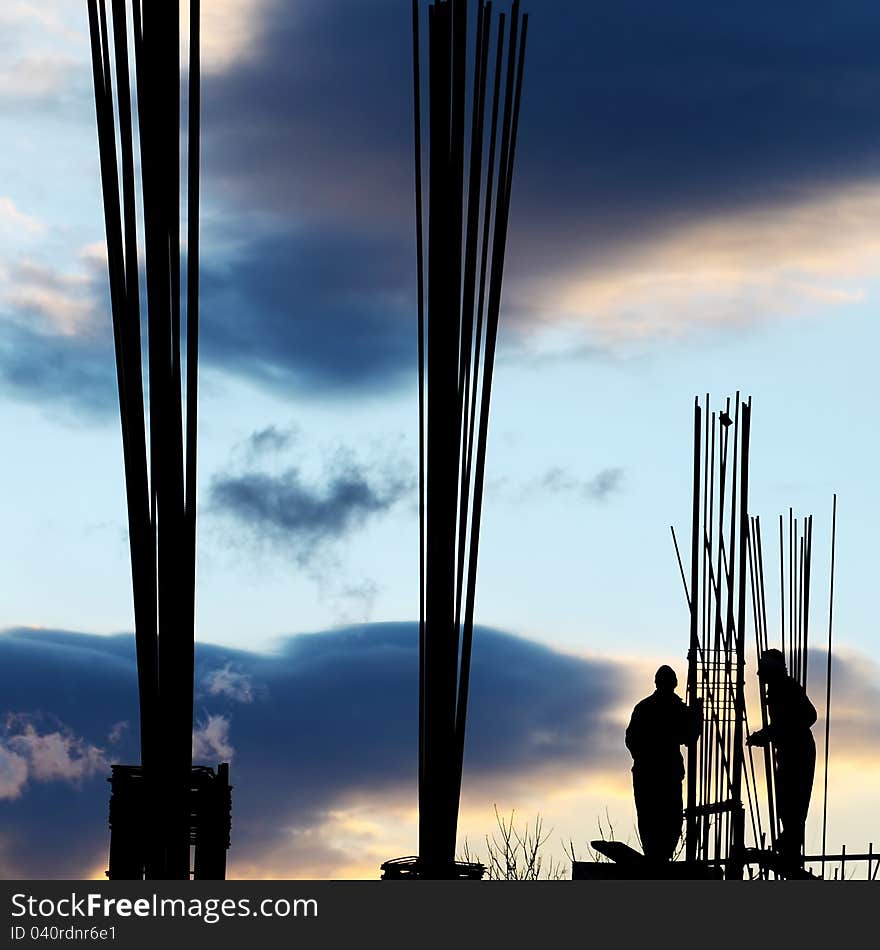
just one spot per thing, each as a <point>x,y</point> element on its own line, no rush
<point>659,725</point>
<point>791,716</point>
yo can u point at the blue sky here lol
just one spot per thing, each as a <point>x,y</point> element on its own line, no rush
<point>694,211</point>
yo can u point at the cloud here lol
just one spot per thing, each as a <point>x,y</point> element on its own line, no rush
<point>330,316</point>
<point>43,56</point>
<point>56,304</point>
<point>333,716</point>
<point>855,704</point>
<point>731,270</point>
<point>32,79</point>
<point>301,517</point>
<point>15,221</point>
<point>674,173</point>
<point>331,312</point>
<point>47,18</point>
<point>229,682</point>
<point>13,773</point>
<point>356,601</point>
<point>268,441</point>
<point>316,89</point>
<point>28,755</point>
<point>229,32</point>
<point>599,488</point>
<point>211,740</point>
<point>56,343</point>
<point>118,731</point>
<point>66,372</point>
<point>54,35</point>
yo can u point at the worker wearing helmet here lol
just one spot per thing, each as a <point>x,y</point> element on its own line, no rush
<point>791,717</point>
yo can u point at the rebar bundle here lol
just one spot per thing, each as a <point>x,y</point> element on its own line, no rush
<point>714,813</point>
<point>473,93</point>
<point>795,562</point>
<point>159,431</point>
<point>795,572</point>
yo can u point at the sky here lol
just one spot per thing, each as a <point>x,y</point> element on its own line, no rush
<point>694,211</point>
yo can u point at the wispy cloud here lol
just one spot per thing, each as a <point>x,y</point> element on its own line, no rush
<point>118,731</point>
<point>301,516</point>
<point>14,222</point>
<point>600,487</point>
<point>210,741</point>
<point>29,755</point>
<point>56,304</point>
<point>56,343</point>
<point>45,61</point>
<point>231,683</point>
<point>37,78</point>
<point>268,441</point>
<point>66,372</point>
<point>13,773</point>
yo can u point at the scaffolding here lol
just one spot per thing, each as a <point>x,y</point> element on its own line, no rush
<point>210,821</point>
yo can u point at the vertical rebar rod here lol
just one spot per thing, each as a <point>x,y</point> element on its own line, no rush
<point>828,678</point>
<point>808,567</point>
<point>706,749</point>
<point>696,549</point>
<point>738,844</point>
<point>420,291</point>
<point>782,586</point>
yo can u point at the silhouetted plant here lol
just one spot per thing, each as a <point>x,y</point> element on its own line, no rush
<point>515,855</point>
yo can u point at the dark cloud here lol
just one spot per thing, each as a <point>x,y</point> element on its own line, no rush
<point>599,488</point>
<point>64,372</point>
<point>329,718</point>
<point>268,441</point>
<point>301,517</point>
<point>316,122</point>
<point>635,116</point>
<point>638,116</point>
<point>325,312</point>
<point>635,119</point>
<point>855,702</point>
<point>327,721</point>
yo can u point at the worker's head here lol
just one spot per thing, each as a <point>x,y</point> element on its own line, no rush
<point>665,679</point>
<point>771,665</point>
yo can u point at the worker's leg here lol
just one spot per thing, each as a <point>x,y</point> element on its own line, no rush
<point>659,809</point>
<point>801,772</point>
<point>669,816</point>
<point>794,786</point>
<point>646,812</point>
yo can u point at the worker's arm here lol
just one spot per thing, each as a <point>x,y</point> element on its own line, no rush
<point>761,737</point>
<point>633,737</point>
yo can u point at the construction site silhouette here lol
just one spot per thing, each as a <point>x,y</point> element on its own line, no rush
<point>172,819</point>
